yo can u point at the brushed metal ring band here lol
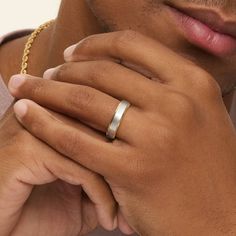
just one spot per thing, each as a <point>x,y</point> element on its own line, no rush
<point>116,120</point>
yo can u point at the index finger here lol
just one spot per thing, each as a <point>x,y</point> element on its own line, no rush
<point>129,47</point>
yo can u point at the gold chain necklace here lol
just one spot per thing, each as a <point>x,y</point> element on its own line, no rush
<point>29,44</point>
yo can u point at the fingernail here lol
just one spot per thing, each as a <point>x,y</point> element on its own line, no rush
<point>15,82</point>
<point>48,73</point>
<point>69,51</point>
<point>20,109</point>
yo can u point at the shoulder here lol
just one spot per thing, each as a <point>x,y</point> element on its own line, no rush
<point>11,50</point>
<point>14,35</point>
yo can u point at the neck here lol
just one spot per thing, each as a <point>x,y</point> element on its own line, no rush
<point>75,21</point>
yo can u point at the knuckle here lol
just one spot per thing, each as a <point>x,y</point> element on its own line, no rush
<point>199,73</point>
<point>206,85</point>
<point>182,109</point>
<point>101,69</point>
<point>211,88</point>
<point>182,104</point>
<point>80,98</point>
<point>37,88</point>
<point>97,71</point>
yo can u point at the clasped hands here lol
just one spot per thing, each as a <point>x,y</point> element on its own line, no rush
<point>171,169</point>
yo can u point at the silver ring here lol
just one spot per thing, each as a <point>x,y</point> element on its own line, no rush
<point>116,120</point>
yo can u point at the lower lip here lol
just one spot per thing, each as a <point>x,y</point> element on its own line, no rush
<point>202,36</point>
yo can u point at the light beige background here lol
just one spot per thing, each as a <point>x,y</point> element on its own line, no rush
<point>19,14</point>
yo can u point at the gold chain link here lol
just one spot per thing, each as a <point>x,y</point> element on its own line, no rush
<point>29,44</point>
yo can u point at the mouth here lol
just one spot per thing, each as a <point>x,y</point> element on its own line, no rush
<point>206,29</point>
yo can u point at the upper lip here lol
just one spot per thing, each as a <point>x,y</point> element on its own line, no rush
<point>213,18</point>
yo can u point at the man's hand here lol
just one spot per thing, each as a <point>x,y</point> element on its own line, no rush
<point>172,167</point>
<point>41,190</point>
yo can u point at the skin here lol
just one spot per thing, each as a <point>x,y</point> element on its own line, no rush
<point>12,140</point>
<point>151,186</point>
<point>209,107</point>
